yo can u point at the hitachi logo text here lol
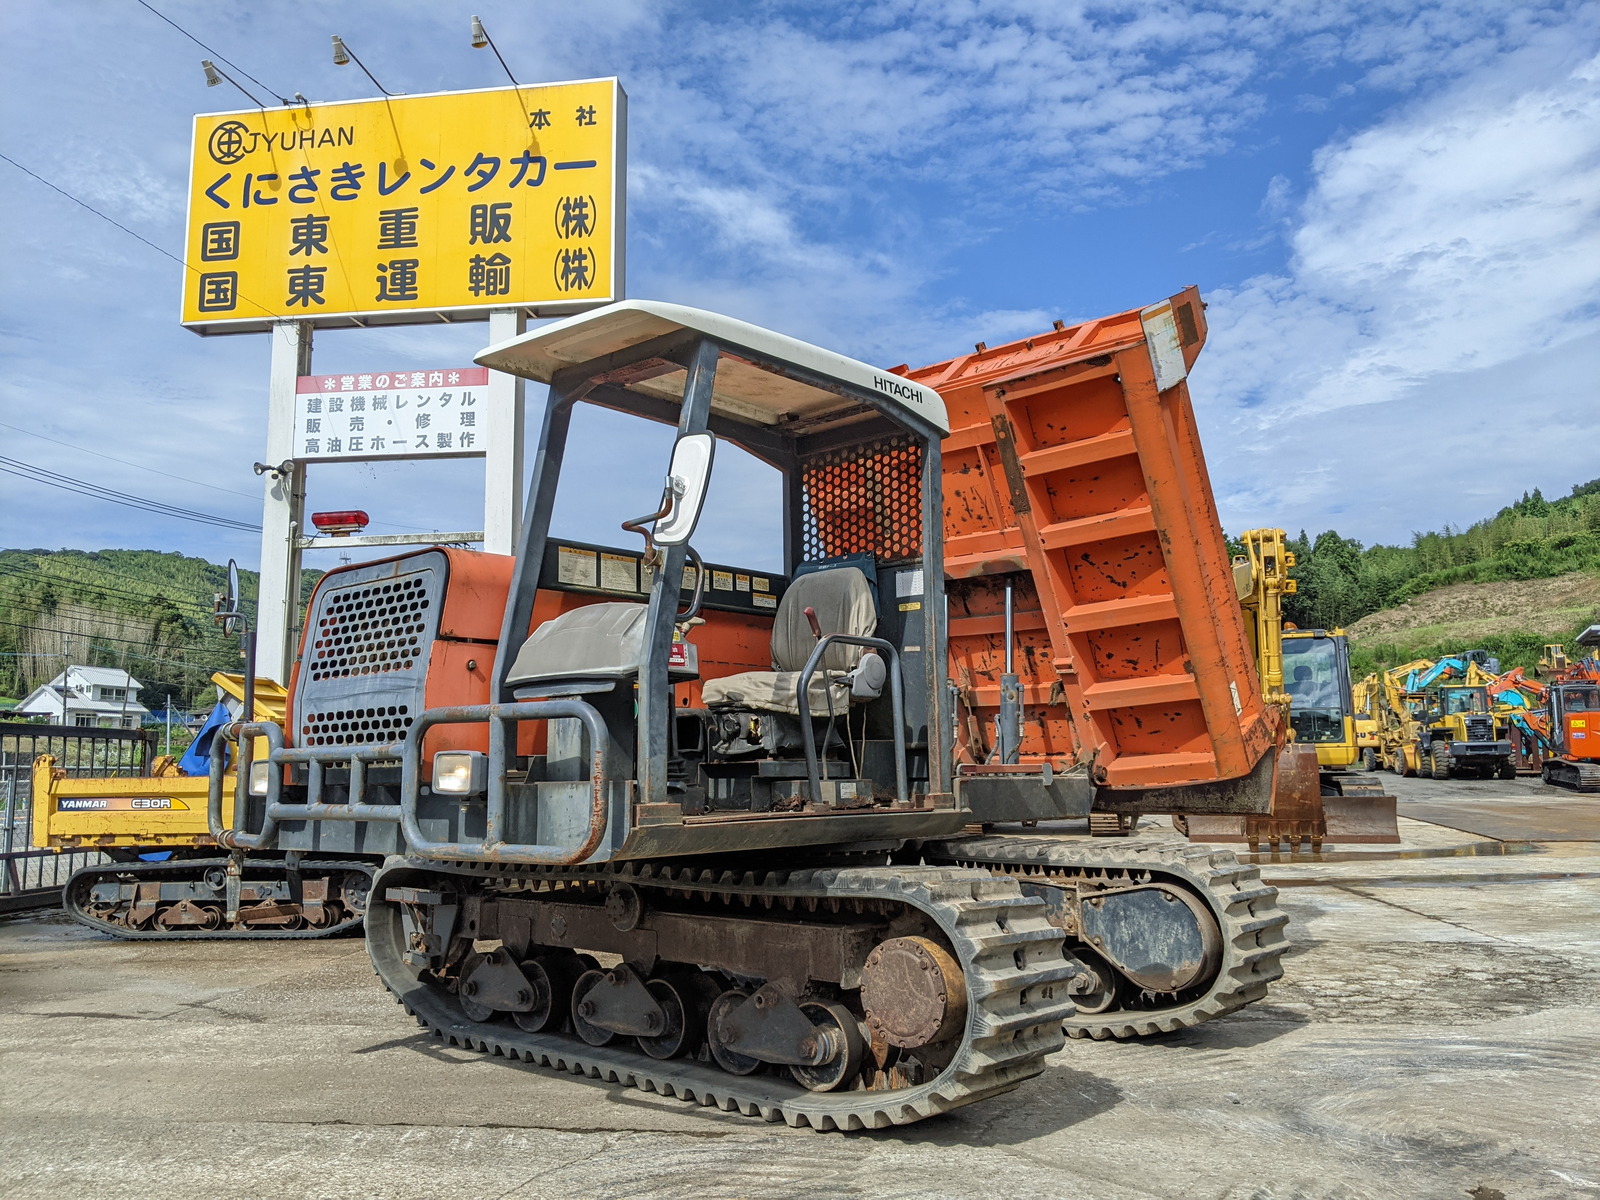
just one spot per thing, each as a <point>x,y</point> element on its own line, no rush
<point>891,386</point>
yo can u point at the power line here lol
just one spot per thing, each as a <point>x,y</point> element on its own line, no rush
<point>103,590</point>
<point>128,654</point>
<point>94,491</point>
<point>91,638</point>
<point>126,463</point>
<point>213,53</point>
<point>154,471</point>
<point>44,571</point>
<point>119,225</point>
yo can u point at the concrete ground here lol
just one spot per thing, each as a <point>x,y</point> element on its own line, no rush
<point>1435,1035</point>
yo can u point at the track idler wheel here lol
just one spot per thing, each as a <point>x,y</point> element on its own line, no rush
<point>186,914</point>
<point>551,978</point>
<point>676,1037</point>
<point>729,1059</point>
<point>609,1004</point>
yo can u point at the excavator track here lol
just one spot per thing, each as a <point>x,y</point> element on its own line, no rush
<point>1576,776</point>
<point>140,913</point>
<point>1009,956</point>
<point>1249,923</point>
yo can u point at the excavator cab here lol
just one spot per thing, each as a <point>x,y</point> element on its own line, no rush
<point>1316,674</point>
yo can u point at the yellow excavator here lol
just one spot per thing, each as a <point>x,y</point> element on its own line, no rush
<point>162,861</point>
<point>1307,673</point>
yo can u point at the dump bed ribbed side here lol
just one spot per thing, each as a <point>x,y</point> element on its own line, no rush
<point>1071,476</point>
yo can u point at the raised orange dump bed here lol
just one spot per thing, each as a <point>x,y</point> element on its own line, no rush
<point>1073,472</point>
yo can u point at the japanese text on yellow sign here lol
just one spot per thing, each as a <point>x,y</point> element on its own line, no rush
<point>391,211</point>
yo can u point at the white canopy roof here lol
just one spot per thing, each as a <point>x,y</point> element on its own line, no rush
<point>743,392</point>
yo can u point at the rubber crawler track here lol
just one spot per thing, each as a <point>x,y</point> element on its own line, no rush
<point>1010,953</point>
<point>193,866</point>
<point>1246,909</point>
<point>1583,777</point>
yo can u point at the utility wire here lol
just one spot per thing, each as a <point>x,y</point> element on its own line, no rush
<point>167,474</point>
<point>171,662</point>
<point>101,568</point>
<point>119,224</point>
<point>101,637</point>
<point>126,463</point>
<point>18,467</point>
<point>14,570</point>
<point>93,209</point>
<point>104,591</point>
<point>213,53</point>
<point>95,492</point>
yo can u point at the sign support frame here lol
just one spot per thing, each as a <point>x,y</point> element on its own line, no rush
<point>502,466</point>
<point>283,505</point>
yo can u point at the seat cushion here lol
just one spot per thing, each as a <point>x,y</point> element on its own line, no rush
<point>774,691</point>
<point>595,642</point>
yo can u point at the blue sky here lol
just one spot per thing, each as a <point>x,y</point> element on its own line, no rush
<point>1392,208</point>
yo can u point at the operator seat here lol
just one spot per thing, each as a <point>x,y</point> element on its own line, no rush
<point>842,599</point>
<point>590,649</point>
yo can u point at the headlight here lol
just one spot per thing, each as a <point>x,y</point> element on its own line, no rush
<point>260,778</point>
<point>460,772</point>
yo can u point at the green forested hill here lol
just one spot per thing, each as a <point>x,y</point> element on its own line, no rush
<point>142,610</point>
<point>1341,581</point>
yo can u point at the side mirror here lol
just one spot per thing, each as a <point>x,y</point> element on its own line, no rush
<point>229,602</point>
<point>687,480</point>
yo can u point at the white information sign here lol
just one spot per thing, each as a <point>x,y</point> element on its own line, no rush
<point>391,414</point>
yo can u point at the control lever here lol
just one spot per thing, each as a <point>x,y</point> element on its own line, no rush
<point>811,620</point>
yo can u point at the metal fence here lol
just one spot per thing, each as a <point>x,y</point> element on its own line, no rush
<point>29,876</point>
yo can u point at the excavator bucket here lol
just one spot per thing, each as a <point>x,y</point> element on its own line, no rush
<point>1301,815</point>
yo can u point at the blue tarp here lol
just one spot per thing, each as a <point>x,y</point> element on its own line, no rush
<point>197,759</point>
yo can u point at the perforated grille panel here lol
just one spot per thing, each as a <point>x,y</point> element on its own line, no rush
<point>363,674</point>
<point>864,499</point>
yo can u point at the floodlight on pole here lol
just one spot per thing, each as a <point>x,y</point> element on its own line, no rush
<point>216,75</point>
<point>343,55</point>
<point>481,38</point>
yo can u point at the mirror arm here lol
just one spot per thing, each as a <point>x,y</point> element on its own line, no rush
<point>641,526</point>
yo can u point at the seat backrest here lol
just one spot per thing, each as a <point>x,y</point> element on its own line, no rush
<point>597,642</point>
<point>842,598</point>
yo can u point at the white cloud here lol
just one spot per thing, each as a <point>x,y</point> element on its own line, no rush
<point>1432,253</point>
<point>815,170</point>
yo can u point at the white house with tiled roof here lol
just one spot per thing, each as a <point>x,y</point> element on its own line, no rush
<point>102,697</point>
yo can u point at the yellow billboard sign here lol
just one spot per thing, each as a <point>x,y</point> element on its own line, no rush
<point>407,209</point>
